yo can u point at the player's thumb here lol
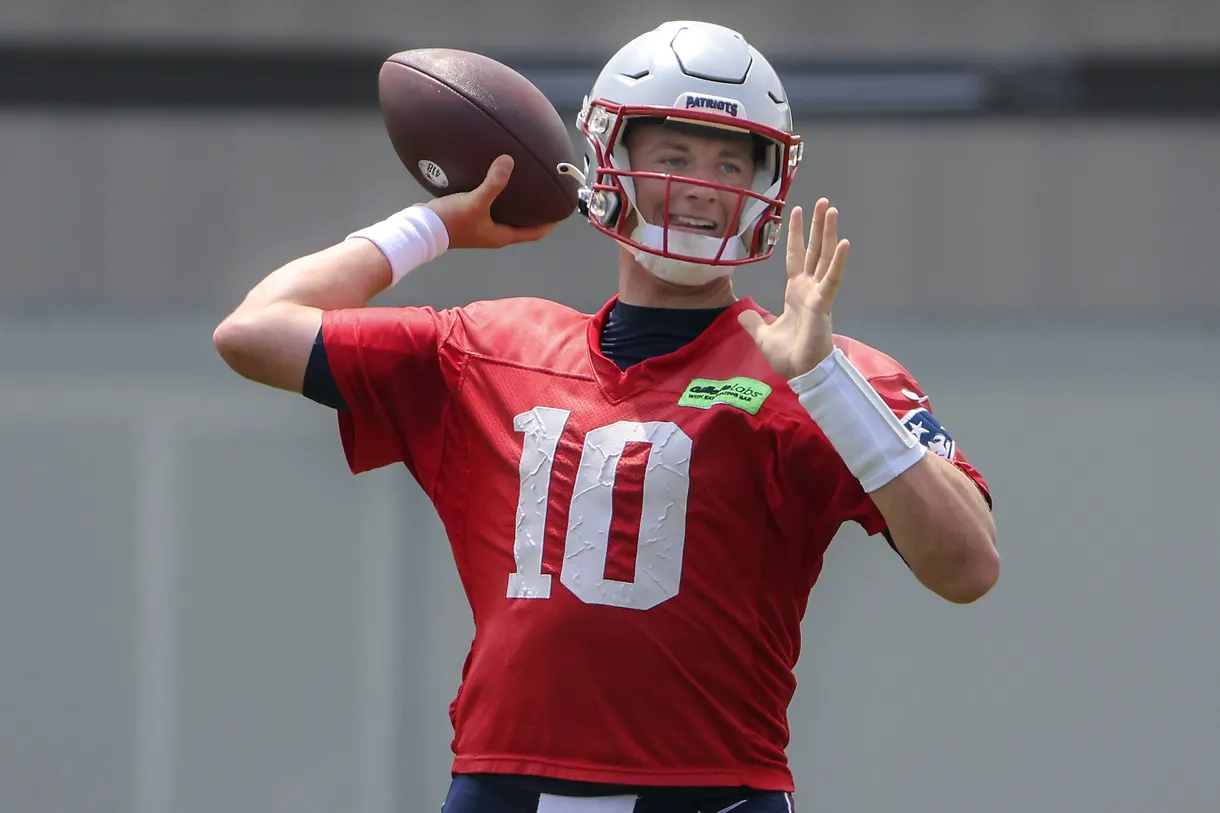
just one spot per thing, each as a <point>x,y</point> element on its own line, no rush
<point>496,179</point>
<point>752,322</point>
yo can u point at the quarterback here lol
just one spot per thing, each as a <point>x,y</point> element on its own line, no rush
<point>638,500</point>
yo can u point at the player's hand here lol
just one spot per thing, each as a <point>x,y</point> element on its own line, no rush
<point>802,336</point>
<point>467,215</point>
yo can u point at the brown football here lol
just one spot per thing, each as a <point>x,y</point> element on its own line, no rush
<point>450,113</point>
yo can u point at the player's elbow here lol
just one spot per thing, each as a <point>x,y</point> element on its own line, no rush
<point>972,577</point>
<point>267,346</point>
<point>233,340</point>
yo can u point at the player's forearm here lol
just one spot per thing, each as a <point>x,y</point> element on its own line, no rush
<point>942,526</point>
<point>269,338</point>
<point>351,273</point>
<point>935,514</point>
<point>347,275</point>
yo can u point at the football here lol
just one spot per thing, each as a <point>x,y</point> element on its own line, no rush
<point>450,113</point>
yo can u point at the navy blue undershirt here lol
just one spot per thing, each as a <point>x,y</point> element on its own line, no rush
<point>632,333</point>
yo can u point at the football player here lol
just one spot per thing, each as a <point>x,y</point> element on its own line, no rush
<point>638,500</point>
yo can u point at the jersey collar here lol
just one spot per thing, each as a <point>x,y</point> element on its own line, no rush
<point>618,384</point>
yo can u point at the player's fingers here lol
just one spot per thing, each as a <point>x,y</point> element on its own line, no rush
<point>828,286</point>
<point>796,241</point>
<point>502,235</point>
<point>751,321</point>
<point>496,179</point>
<point>828,240</point>
<point>528,234</point>
<point>816,228</point>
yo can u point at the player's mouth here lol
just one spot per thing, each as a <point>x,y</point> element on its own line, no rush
<point>698,225</point>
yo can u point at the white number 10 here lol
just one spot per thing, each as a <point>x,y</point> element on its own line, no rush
<point>658,561</point>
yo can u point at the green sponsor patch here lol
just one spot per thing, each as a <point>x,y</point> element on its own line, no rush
<point>743,393</point>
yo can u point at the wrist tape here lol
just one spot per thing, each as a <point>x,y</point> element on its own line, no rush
<point>862,428</point>
<point>408,239</point>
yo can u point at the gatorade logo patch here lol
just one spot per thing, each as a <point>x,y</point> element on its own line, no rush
<point>747,394</point>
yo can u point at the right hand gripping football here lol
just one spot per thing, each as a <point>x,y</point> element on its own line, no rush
<point>467,215</point>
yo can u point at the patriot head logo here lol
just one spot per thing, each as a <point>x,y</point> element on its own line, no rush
<point>930,433</point>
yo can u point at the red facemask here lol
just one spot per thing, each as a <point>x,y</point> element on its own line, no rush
<point>754,225</point>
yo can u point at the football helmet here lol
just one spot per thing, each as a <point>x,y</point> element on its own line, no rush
<point>690,73</point>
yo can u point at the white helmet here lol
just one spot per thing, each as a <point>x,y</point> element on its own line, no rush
<point>693,73</point>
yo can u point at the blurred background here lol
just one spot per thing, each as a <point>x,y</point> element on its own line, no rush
<point>202,611</point>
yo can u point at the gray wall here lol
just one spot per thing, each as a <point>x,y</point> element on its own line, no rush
<point>200,609</point>
<point>981,220</point>
<point>929,26</point>
<point>1004,219</point>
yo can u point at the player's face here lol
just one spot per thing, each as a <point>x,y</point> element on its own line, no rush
<point>712,157</point>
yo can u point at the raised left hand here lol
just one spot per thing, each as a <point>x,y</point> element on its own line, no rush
<point>802,335</point>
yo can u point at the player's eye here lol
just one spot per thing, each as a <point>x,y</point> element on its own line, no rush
<point>674,161</point>
<point>732,168</point>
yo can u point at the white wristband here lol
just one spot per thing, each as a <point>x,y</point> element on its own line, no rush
<point>408,239</point>
<point>862,428</point>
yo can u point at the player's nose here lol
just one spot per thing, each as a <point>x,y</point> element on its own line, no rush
<point>698,191</point>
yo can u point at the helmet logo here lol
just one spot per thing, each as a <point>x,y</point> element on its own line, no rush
<point>718,104</point>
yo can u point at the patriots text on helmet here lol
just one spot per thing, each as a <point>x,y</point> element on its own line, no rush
<point>693,101</point>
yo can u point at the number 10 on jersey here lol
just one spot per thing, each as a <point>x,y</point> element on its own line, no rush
<point>662,537</point>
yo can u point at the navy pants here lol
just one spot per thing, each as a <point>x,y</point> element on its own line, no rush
<point>488,793</point>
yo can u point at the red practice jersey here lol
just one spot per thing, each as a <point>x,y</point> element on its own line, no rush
<point>637,547</point>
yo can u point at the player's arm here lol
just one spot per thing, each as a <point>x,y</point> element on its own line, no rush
<point>933,505</point>
<point>942,527</point>
<point>933,512</point>
<point>936,516</point>
<point>269,338</point>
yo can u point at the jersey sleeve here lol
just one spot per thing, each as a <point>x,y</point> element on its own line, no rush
<point>319,384</point>
<point>903,394</point>
<point>393,369</point>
